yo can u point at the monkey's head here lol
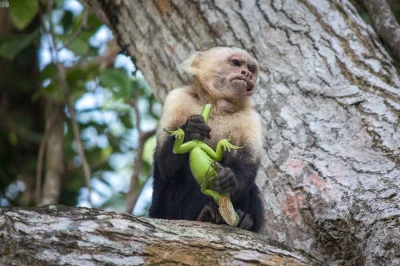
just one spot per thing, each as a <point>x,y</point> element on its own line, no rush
<point>224,72</point>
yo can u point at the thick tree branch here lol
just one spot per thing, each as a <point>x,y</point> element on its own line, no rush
<point>385,23</point>
<point>57,235</point>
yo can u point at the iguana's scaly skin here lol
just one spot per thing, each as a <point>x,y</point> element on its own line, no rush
<point>202,161</point>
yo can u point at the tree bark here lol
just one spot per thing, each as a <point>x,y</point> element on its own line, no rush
<point>58,235</point>
<point>54,153</point>
<point>329,99</point>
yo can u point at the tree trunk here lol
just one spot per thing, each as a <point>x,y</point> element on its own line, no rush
<point>54,153</point>
<point>57,235</point>
<point>329,99</point>
<point>20,124</point>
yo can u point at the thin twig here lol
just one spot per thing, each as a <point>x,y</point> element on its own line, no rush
<point>143,136</point>
<point>75,129</point>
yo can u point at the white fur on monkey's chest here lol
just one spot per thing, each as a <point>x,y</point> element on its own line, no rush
<point>225,127</point>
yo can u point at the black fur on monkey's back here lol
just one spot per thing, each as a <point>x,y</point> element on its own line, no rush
<point>177,195</point>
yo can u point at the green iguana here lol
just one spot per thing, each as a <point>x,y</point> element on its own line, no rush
<point>203,165</point>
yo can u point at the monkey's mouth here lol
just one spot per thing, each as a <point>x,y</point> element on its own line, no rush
<point>250,88</point>
<point>248,84</point>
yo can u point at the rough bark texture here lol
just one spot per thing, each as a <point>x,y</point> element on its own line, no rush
<point>58,235</point>
<point>329,99</point>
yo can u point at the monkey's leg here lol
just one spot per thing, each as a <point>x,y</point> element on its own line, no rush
<point>210,213</point>
<point>245,220</point>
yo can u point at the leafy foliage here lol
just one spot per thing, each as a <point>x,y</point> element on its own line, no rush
<point>100,92</point>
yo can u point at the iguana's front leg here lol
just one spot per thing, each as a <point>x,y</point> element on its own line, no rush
<point>179,146</point>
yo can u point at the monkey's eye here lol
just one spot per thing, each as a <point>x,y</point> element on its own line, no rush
<point>235,62</point>
<point>250,68</point>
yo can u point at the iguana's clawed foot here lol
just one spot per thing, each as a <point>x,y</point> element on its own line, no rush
<point>179,133</point>
<point>225,143</point>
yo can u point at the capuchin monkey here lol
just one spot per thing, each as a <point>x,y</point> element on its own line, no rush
<point>224,76</point>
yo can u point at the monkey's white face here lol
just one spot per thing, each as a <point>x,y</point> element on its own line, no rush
<point>235,76</point>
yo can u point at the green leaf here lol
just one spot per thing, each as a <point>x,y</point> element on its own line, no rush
<point>23,12</point>
<point>117,80</point>
<point>148,149</point>
<point>126,120</point>
<point>12,138</point>
<point>79,47</point>
<point>12,45</point>
<point>48,72</point>
<point>54,91</point>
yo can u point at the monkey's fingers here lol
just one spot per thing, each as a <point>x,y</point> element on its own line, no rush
<point>199,126</point>
<point>202,132</point>
<point>225,181</point>
<point>196,119</point>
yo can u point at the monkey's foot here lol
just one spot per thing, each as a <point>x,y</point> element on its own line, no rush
<point>246,222</point>
<point>228,212</point>
<point>225,143</point>
<point>210,214</point>
<point>179,133</point>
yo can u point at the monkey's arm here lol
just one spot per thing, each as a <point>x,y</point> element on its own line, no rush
<point>245,170</point>
<point>168,162</point>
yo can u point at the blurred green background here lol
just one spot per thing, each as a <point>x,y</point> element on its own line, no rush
<point>54,56</point>
<point>103,86</point>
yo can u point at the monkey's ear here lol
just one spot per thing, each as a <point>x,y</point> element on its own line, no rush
<point>191,65</point>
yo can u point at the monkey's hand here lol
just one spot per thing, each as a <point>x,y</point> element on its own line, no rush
<point>196,128</point>
<point>225,181</point>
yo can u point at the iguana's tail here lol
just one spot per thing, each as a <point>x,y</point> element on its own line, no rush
<point>206,112</point>
<point>227,211</point>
